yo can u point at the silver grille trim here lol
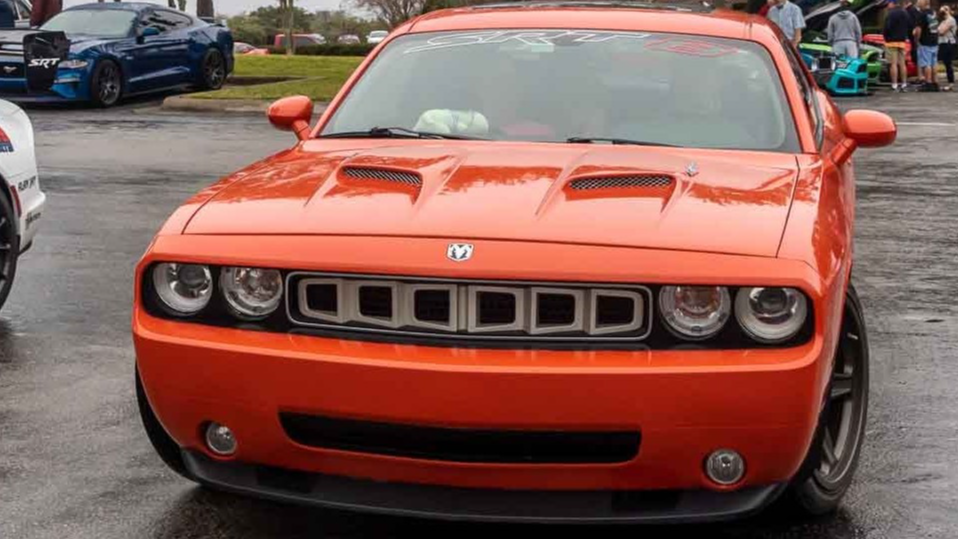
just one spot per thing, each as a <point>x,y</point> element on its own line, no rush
<point>370,173</point>
<point>618,182</point>
<point>468,310</point>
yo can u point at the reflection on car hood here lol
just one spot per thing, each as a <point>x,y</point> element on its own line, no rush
<point>718,201</point>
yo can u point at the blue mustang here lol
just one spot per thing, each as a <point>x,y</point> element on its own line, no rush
<point>99,53</point>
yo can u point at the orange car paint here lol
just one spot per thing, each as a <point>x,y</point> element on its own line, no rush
<point>747,218</point>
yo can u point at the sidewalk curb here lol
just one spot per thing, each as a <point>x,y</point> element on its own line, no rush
<point>182,103</point>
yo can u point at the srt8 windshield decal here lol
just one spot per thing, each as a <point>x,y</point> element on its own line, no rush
<point>526,37</point>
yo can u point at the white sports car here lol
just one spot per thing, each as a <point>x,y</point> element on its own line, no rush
<point>21,201</point>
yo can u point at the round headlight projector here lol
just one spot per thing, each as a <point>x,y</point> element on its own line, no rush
<point>252,293</point>
<point>185,289</point>
<point>725,467</point>
<point>695,312</point>
<point>770,315</point>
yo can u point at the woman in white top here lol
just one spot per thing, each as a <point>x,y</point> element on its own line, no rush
<point>947,43</point>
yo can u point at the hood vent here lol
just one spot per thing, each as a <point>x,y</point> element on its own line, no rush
<point>369,173</point>
<point>633,181</point>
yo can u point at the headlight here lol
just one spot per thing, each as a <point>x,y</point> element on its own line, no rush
<point>252,293</point>
<point>694,312</point>
<point>184,288</point>
<point>74,64</point>
<point>770,315</point>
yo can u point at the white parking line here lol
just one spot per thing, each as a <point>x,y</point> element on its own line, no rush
<point>926,124</point>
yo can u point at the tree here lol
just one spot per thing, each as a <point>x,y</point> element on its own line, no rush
<point>204,8</point>
<point>392,12</point>
<point>259,26</point>
<point>290,12</point>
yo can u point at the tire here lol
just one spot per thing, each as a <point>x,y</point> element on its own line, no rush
<point>165,446</point>
<point>829,467</point>
<point>9,248</point>
<point>212,70</point>
<point>106,85</point>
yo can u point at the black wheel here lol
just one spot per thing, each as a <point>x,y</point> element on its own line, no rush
<point>9,248</point>
<point>829,467</point>
<point>106,87</point>
<point>168,449</point>
<point>213,70</point>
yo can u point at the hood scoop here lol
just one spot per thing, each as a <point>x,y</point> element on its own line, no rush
<point>631,181</point>
<point>382,174</point>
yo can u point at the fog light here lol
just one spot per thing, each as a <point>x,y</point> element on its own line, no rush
<point>725,467</point>
<point>220,440</point>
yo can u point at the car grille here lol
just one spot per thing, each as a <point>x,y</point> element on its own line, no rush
<point>480,310</point>
<point>462,444</point>
<point>619,182</point>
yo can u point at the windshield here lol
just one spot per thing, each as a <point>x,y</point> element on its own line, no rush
<point>556,85</point>
<point>93,22</point>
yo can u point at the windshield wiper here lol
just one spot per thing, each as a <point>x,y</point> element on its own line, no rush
<point>396,132</point>
<point>616,141</point>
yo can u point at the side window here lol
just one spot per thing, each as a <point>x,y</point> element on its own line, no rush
<point>807,91</point>
<point>159,20</point>
<point>177,20</point>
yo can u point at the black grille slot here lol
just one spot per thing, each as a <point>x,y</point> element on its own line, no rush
<point>322,297</point>
<point>432,306</point>
<point>364,173</point>
<point>556,309</point>
<point>614,310</point>
<point>461,444</point>
<point>496,308</point>
<point>376,301</point>
<point>619,182</point>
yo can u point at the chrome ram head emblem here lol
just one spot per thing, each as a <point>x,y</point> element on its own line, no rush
<point>459,252</point>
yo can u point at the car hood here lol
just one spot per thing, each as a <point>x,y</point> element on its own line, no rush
<point>714,201</point>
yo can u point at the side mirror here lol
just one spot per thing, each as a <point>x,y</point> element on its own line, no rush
<point>866,128</point>
<point>149,31</point>
<point>292,114</point>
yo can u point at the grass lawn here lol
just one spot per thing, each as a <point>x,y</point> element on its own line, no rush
<point>320,77</point>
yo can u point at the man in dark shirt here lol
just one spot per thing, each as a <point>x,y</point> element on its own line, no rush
<point>928,32</point>
<point>897,32</point>
<point>8,18</point>
<point>916,16</point>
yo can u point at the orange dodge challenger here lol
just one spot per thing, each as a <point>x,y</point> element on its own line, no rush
<point>536,262</point>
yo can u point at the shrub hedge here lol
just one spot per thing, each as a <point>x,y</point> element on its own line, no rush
<point>330,49</point>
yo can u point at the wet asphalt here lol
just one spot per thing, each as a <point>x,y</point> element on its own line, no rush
<point>74,461</point>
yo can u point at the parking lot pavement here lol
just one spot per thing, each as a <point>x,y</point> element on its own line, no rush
<point>75,463</point>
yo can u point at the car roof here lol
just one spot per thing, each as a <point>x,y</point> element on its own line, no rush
<point>683,17</point>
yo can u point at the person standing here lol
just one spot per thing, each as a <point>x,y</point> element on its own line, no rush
<point>927,36</point>
<point>947,44</point>
<point>44,10</point>
<point>8,17</point>
<point>897,31</point>
<point>844,32</point>
<point>916,18</point>
<point>788,17</point>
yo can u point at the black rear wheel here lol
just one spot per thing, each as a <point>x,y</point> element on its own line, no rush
<point>828,470</point>
<point>9,248</point>
<point>165,446</point>
<point>107,84</point>
<point>213,72</point>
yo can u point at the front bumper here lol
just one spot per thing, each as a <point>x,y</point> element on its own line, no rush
<point>490,505</point>
<point>764,403</point>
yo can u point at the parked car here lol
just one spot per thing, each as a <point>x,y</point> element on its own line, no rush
<point>301,40</point>
<point>100,53</point>
<point>376,36</point>
<point>877,40</point>
<point>602,275</point>
<point>21,200</point>
<point>348,39</point>
<point>245,49</point>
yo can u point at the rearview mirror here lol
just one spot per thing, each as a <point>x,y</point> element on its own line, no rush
<point>868,128</point>
<point>292,114</point>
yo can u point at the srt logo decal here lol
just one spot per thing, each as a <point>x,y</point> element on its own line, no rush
<point>459,252</point>
<point>45,63</point>
<point>27,184</point>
